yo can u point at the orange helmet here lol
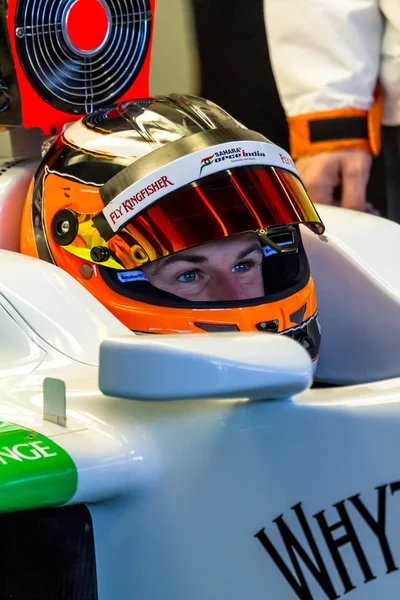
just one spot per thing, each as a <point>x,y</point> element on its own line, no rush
<point>149,178</point>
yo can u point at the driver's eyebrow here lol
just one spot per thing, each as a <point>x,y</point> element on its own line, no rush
<point>199,258</point>
<point>195,258</point>
<point>174,258</point>
<point>252,248</point>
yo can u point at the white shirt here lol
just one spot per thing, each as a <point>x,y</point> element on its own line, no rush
<point>329,54</point>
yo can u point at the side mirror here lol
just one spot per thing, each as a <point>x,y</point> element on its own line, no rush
<point>222,365</point>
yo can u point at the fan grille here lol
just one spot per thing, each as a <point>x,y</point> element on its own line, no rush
<point>80,80</point>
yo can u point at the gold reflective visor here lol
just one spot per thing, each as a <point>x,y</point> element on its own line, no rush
<point>224,204</point>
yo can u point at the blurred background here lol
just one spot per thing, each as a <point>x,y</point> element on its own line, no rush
<point>219,50</point>
<point>216,49</point>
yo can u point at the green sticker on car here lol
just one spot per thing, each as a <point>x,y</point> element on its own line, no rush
<point>35,472</point>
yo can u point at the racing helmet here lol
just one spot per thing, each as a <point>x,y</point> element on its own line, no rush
<point>146,180</point>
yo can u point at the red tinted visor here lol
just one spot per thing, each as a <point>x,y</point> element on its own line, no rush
<point>218,206</point>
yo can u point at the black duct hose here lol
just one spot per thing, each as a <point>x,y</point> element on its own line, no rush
<point>5,96</point>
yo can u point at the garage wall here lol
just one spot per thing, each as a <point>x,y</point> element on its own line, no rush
<point>175,63</point>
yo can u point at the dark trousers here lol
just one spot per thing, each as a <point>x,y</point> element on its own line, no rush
<point>391,168</point>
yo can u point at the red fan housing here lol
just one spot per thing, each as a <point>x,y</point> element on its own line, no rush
<point>61,59</point>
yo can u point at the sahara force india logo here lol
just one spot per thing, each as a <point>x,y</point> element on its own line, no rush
<point>233,154</point>
<point>238,155</point>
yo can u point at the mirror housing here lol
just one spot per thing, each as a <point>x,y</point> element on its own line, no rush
<point>198,366</point>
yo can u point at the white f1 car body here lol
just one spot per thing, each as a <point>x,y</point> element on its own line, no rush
<point>201,467</point>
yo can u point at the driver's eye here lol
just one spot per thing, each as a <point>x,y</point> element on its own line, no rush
<point>188,277</point>
<point>242,267</point>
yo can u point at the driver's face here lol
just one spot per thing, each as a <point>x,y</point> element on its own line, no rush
<point>228,269</point>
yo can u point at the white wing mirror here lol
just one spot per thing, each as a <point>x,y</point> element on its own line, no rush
<point>191,366</point>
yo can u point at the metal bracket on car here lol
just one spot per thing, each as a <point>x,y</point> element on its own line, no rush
<point>55,401</point>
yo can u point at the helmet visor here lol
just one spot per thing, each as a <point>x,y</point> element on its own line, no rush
<point>224,204</point>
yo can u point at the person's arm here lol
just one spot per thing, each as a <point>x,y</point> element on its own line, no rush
<point>390,62</point>
<point>325,55</point>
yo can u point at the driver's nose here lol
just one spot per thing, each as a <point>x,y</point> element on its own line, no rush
<point>226,286</point>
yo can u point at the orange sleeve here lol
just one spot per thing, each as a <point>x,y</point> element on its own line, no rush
<point>339,129</point>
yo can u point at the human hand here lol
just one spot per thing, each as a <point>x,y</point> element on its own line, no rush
<point>323,173</point>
